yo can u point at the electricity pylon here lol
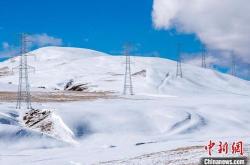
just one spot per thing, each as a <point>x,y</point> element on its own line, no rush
<point>23,94</point>
<point>248,71</point>
<point>128,86</point>
<point>233,67</point>
<point>179,69</point>
<point>203,57</point>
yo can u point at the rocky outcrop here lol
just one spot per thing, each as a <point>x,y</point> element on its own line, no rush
<point>140,73</point>
<point>5,71</point>
<point>49,123</point>
<point>70,86</point>
<point>78,87</point>
<point>34,118</point>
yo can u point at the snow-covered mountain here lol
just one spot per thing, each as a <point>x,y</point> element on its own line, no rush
<point>55,66</point>
<point>168,121</point>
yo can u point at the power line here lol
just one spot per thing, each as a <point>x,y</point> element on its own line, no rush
<point>233,65</point>
<point>203,57</point>
<point>248,71</point>
<point>179,69</point>
<point>23,94</point>
<point>128,86</point>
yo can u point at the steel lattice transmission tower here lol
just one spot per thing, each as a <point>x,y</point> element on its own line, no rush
<point>179,69</point>
<point>248,74</point>
<point>233,67</point>
<point>128,86</point>
<point>203,57</point>
<point>23,94</point>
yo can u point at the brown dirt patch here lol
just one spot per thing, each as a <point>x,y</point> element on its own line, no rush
<point>59,96</point>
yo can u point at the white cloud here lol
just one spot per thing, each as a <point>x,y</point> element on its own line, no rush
<point>8,50</point>
<point>195,59</point>
<point>36,40</point>
<point>224,60</point>
<point>5,45</point>
<point>40,40</point>
<point>221,25</point>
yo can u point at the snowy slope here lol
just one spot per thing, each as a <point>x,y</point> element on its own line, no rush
<point>166,112</point>
<point>55,66</point>
<point>111,129</point>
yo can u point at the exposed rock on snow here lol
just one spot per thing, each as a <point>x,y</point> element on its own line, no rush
<point>35,116</point>
<point>4,71</point>
<point>140,73</point>
<point>70,86</point>
<point>78,87</point>
<point>46,121</point>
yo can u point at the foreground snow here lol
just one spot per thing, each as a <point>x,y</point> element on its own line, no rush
<point>125,128</point>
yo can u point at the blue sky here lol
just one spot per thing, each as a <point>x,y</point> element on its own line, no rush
<point>95,24</point>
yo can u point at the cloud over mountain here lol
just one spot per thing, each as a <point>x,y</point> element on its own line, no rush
<point>222,25</point>
<point>44,39</point>
<point>35,41</point>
